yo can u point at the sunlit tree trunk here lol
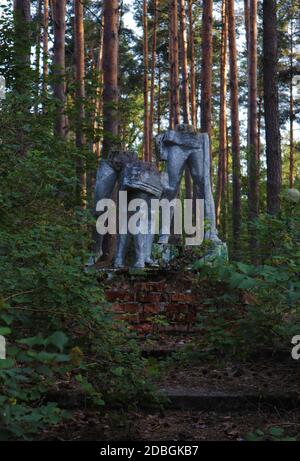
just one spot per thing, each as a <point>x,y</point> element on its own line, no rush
<point>174,64</point>
<point>192,64</point>
<point>235,129</point>
<point>206,70</point>
<point>146,83</point>
<point>99,94</point>
<point>253,154</point>
<point>110,74</point>
<point>271,106</point>
<point>185,86</point>
<point>152,99</point>
<point>222,167</point>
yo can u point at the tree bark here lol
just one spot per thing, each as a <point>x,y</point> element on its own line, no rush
<point>152,98</point>
<point>39,25</point>
<point>22,21</point>
<point>206,68</point>
<point>292,113</point>
<point>235,129</point>
<point>271,105</point>
<point>59,66</point>
<point>222,167</point>
<point>45,48</point>
<point>184,65</point>
<point>185,87</point>
<point>110,75</point>
<point>253,163</point>
<point>192,65</point>
<point>174,54</point>
<point>22,70</point>
<point>146,83</point>
<point>80,97</point>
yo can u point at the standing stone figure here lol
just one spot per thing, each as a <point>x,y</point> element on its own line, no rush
<point>185,147</point>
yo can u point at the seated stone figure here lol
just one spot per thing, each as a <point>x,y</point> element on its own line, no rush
<point>181,148</point>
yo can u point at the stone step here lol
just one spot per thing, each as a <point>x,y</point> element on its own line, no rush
<point>218,401</point>
<point>184,399</point>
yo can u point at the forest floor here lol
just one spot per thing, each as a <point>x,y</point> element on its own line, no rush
<point>208,397</point>
<point>209,402</point>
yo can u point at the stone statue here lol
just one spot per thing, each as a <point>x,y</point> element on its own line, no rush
<point>186,147</point>
<point>140,180</point>
<point>179,148</point>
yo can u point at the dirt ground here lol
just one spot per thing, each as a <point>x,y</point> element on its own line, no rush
<point>175,425</point>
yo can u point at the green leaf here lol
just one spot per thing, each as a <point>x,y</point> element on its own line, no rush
<point>5,331</point>
<point>6,364</point>
<point>276,432</point>
<point>59,340</point>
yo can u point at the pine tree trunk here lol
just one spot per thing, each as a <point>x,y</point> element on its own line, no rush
<point>185,87</point>
<point>292,114</point>
<point>38,50</point>
<point>271,105</point>
<point>174,54</point>
<point>45,48</point>
<point>192,65</point>
<point>184,65</point>
<point>22,45</point>
<point>146,83</point>
<point>99,92</point>
<point>59,66</point>
<point>253,163</point>
<point>110,74</point>
<point>152,99</point>
<point>22,70</point>
<point>235,129</point>
<point>80,96</point>
<point>222,167</point>
<point>206,69</point>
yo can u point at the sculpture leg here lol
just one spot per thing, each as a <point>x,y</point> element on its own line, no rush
<point>105,184</point>
<point>122,245</point>
<point>199,164</point>
<point>175,167</point>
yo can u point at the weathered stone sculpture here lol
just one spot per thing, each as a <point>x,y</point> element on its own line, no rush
<point>185,147</point>
<point>141,181</point>
<point>108,174</point>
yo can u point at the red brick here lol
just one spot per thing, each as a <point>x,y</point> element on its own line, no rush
<point>130,318</point>
<point>152,308</point>
<point>119,295</point>
<point>131,308</point>
<point>176,308</point>
<point>149,298</point>
<point>147,287</point>
<point>182,297</point>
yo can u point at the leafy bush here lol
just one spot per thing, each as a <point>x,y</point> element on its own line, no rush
<point>52,312</point>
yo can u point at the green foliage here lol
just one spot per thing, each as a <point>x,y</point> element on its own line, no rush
<point>255,307</point>
<point>273,434</point>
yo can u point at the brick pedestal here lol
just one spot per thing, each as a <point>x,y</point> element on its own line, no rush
<point>154,302</point>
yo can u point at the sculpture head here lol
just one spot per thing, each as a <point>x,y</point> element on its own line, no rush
<point>119,159</point>
<point>160,148</point>
<point>185,128</point>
